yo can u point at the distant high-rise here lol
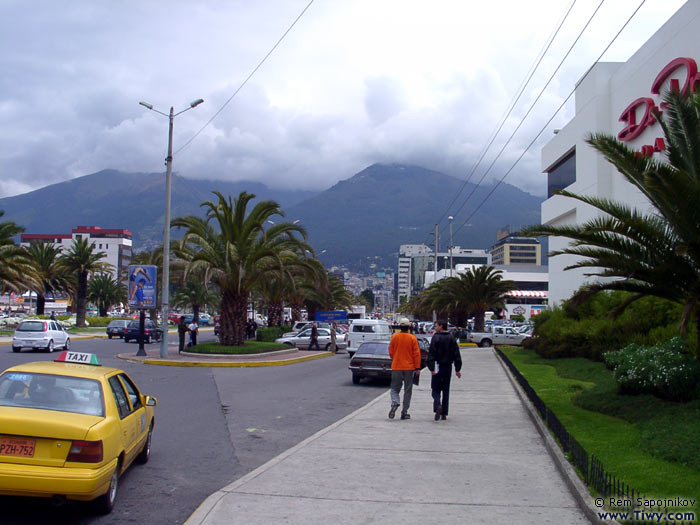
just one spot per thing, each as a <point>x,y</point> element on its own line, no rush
<point>514,249</point>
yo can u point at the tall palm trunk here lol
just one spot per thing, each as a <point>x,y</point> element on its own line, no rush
<point>233,319</point>
<point>296,312</point>
<point>40,304</point>
<point>81,299</point>
<point>479,320</point>
<point>274,313</point>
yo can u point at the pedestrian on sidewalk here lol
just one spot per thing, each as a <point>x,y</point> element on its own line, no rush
<point>444,351</point>
<point>314,337</point>
<point>181,331</point>
<point>405,362</point>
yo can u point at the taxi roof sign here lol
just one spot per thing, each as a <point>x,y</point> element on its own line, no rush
<point>77,357</point>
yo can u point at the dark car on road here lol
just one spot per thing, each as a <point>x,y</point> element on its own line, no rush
<point>116,328</point>
<point>371,360</point>
<point>151,332</point>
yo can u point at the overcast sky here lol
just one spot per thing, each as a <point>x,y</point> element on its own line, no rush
<point>355,82</point>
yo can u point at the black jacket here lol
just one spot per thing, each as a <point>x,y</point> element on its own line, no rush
<point>444,350</point>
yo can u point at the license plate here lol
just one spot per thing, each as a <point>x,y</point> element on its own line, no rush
<point>17,447</point>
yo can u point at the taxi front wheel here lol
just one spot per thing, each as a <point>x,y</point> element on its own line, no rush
<point>105,503</point>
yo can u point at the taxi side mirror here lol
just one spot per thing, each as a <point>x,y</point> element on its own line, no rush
<point>151,401</point>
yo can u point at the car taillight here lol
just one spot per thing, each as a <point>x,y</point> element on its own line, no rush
<point>85,452</point>
<point>357,362</point>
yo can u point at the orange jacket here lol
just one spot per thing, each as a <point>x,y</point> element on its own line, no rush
<point>404,352</point>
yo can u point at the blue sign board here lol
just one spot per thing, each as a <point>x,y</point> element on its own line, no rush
<point>142,286</point>
<point>329,317</point>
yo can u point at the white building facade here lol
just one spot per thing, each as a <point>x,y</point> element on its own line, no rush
<point>115,243</point>
<point>615,99</point>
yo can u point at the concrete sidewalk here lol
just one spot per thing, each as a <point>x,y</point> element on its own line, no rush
<point>486,464</point>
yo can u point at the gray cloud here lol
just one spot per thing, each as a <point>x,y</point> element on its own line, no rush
<point>353,83</point>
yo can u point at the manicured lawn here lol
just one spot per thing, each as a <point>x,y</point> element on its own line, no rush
<point>249,347</point>
<point>650,444</point>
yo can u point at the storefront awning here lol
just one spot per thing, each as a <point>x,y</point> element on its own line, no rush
<point>527,293</point>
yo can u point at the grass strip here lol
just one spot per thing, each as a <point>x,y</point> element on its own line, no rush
<point>616,428</point>
<point>249,347</point>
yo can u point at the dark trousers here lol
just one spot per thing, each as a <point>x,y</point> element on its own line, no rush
<point>314,342</point>
<point>440,387</point>
<point>181,336</point>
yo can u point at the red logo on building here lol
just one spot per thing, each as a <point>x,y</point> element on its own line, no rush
<point>639,115</point>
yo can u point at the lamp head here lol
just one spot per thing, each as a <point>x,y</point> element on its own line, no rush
<point>196,102</point>
<point>146,105</point>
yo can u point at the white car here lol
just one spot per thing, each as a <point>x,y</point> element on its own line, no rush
<point>41,334</point>
<point>302,339</point>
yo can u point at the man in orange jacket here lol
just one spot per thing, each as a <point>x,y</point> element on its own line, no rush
<point>405,361</point>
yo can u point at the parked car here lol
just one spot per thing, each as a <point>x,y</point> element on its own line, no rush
<point>64,429</point>
<point>40,334</point>
<point>116,328</point>
<point>204,319</point>
<point>498,335</point>
<point>151,332</point>
<point>302,339</point>
<point>371,359</point>
<point>363,330</point>
<point>306,324</point>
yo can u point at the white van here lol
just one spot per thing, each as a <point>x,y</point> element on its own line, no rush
<point>362,330</point>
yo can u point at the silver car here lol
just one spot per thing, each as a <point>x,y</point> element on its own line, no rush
<point>40,334</point>
<point>303,338</point>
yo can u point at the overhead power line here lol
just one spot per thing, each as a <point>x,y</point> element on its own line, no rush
<point>303,11</point>
<point>522,121</point>
<point>532,142</point>
<point>526,80</point>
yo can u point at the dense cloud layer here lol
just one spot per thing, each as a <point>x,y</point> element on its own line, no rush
<point>353,83</point>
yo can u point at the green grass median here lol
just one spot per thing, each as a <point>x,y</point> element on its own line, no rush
<point>249,347</point>
<point>648,443</point>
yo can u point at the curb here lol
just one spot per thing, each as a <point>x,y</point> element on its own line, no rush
<point>227,364</point>
<point>200,515</point>
<point>573,481</point>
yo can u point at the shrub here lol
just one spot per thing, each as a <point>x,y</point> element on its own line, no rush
<point>589,330</point>
<point>665,370</point>
<point>270,333</point>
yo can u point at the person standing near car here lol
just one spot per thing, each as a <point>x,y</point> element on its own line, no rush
<point>444,351</point>
<point>314,337</point>
<point>334,347</point>
<point>181,331</point>
<point>405,362</point>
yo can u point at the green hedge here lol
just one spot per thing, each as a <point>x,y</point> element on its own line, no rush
<point>271,333</point>
<point>589,330</point>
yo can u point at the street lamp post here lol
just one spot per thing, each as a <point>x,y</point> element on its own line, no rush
<point>450,218</point>
<point>165,301</point>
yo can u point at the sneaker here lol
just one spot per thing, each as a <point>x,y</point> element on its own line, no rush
<point>438,412</point>
<point>405,415</point>
<point>392,412</point>
<point>443,418</point>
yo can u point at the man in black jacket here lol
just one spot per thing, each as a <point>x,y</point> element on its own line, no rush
<point>444,351</point>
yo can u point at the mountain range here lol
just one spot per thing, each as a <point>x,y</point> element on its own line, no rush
<point>359,222</point>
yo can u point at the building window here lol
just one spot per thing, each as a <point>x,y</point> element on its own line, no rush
<point>562,174</point>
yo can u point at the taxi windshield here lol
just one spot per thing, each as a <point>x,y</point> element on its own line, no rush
<point>51,392</point>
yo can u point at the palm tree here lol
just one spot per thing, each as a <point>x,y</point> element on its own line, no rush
<point>82,260</point>
<point>50,275</point>
<point>328,294</point>
<point>477,290</point>
<point>104,291</point>
<point>235,251</point>
<point>657,253</point>
<point>13,259</point>
<point>194,293</point>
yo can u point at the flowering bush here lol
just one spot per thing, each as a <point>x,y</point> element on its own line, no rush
<point>665,370</point>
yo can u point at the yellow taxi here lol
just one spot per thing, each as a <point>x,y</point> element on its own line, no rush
<point>70,428</point>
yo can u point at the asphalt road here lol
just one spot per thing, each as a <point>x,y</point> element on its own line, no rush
<point>213,425</point>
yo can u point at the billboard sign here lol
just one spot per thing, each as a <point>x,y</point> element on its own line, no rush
<point>329,317</point>
<point>142,286</point>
